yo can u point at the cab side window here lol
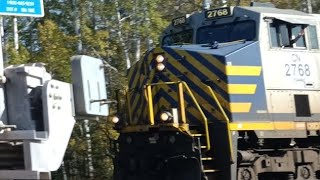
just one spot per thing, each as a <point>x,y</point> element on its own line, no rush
<point>274,35</point>
<point>297,36</point>
<point>287,35</point>
<point>313,37</point>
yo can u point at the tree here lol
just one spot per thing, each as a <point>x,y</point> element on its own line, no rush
<point>21,56</point>
<point>316,7</point>
<point>56,50</point>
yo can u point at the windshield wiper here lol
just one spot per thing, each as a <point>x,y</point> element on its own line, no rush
<point>179,43</point>
<point>216,44</point>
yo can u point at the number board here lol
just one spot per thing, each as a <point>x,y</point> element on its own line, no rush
<point>179,21</point>
<point>218,13</point>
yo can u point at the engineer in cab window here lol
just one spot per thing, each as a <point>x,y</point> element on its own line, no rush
<point>297,37</point>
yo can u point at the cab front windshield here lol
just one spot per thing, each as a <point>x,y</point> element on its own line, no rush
<point>241,30</point>
<point>184,37</point>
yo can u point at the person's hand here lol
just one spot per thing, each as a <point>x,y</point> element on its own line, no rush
<point>301,33</point>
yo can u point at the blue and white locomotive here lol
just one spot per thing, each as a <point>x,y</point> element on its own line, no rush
<point>232,93</point>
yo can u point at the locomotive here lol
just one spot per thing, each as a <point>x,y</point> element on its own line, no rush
<point>232,93</point>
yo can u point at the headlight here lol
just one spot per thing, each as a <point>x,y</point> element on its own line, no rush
<point>115,119</point>
<point>159,59</point>
<point>160,67</point>
<point>166,116</point>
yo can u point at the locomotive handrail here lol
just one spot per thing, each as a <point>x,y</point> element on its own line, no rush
<point>150,103</point>
<point>226,119</point>
<point>181,84</point>
<point>205,120</point>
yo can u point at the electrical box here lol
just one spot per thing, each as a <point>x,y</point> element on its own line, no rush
<point>89,86</point>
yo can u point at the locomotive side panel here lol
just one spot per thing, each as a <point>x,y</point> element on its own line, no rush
<point>291,71</point>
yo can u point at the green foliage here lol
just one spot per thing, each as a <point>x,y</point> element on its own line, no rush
<point>103,155</point>
<point>293,4</point>
<point>20,56</point>
<point>316,7</point>
<point>56,50</point>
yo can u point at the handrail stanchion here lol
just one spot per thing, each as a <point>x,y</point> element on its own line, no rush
<point>205,120</point>
<point>181,86</point>
<point>150,104</point>
<point>227,120</point>
<point>182,104</point>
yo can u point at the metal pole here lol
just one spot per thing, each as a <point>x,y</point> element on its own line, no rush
<point>15,32</point>
<point>89,148</point>
<point>1,27</point>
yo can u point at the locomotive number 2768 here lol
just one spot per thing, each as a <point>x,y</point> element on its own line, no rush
<point>297,70</point>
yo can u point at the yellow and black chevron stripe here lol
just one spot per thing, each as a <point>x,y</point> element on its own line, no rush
<point>197,70</point>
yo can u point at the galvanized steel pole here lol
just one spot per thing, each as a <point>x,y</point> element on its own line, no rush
<point>15,33</point>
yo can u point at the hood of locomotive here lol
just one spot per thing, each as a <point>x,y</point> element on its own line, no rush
<point>232,72</point>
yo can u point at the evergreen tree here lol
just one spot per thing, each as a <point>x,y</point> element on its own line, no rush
<point>21,56</point>
<point>56,50</point>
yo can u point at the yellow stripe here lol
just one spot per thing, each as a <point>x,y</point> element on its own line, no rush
<point>135,115</point>
<point>247,126</point>
<point>242,88</point>
<point>195,78</point>
<point>243,70</point>
<point>215,62</point>
<point>162,101</point>
<point>240,107</point>
<point>229,88</point>
<point>150,105</point>
<point>130,75</point>
<point>233,107</point>
<point>132,68</point>
<point>137,75</point>
<point>207,72</point>
<point>233,70</point>
<point>137,83</point>
<point>209,108</point>
<point>193,110</point>
<point>199,98</point>
<point>284,125</point>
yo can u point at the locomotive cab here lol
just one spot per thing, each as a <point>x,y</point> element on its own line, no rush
<point>287,50</point>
